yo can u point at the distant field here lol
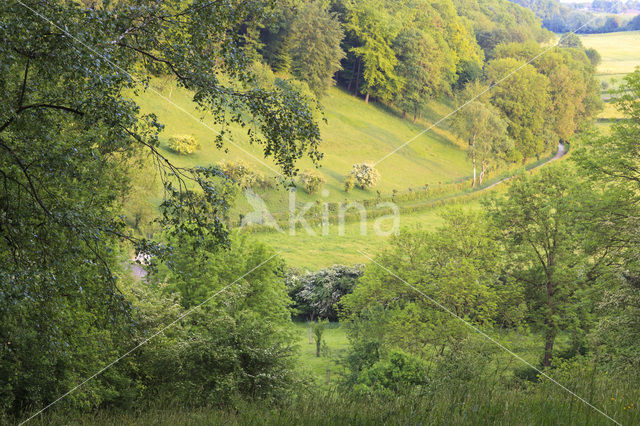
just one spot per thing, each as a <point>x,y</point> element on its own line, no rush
<point>620,52</point>
<point>620,55</point>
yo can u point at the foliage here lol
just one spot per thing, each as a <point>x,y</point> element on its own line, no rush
<point>364,175</point>
<point>570,40</point>
<point>453,268</point>
<point>499,21</point>
<point>349,182</point>
<point>315,41</point>
<point>396,373</point>
<point>375,31</point>
<point>237,340</point>
<point>69,130</point>
<point>183,144</point>
<point>316,293</point>
<point>553,248</point>
<point>524,99</point>
<point>241,174</point>
<point>611,161</point>
<point>594,56</point>
<point>562,18</point>
<point>311,181</point>
<point>484,130</point>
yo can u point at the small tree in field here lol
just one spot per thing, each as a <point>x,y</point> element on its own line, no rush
<point>318,333</point>
<point>364,175</point>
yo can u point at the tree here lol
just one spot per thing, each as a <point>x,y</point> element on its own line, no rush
<point>375,31</point>
<point>68,127</point>
<point>523,98</point>
<point>612,161</point>
<point>594,56</point>
<point>240,343</point>
<point>570,40</point>
<point>363,175</point>
<point>455,266</point>
<point>316,294</point>
<point>480,124</point>
<point>315,41</point>
<point>318,329</point>
<point>614,158</point>
<point>419,66</point>
<point>552,247</point>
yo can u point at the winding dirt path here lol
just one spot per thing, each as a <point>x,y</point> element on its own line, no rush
<point>559,154</point>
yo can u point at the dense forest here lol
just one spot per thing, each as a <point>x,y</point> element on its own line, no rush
<point>206,324</point>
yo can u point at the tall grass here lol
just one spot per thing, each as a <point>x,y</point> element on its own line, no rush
<point>480,401</point>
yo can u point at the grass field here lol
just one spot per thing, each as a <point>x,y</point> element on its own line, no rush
<point>620,52</point>
<point>317,251</point>
<point>323,369</point>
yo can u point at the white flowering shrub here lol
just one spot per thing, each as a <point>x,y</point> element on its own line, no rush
<point>364,175</point>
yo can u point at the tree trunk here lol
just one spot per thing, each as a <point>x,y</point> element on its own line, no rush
<point>318,344</point>
<point>550,332</point>
<point>404,115</point>
<point>366,98</point>
<point>482,170</point>
<point>310,333</point>
<point>353,71</point>
<point>549,340</point>
<point>473,157</point>
<point>355,92</point>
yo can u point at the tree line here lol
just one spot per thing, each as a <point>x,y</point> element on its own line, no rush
<point>406,54</point>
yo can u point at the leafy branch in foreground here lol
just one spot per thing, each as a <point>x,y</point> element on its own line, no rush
<point>69,134</point>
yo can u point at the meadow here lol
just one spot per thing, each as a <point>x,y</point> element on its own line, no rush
<point>620,53</point>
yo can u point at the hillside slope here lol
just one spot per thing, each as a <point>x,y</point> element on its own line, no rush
<point>354,132</point>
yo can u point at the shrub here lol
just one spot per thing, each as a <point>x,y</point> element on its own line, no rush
<point>244,176</point>
<point>237,346</point>
<point>311,181</point>
<point>349,183</point>
<point>183,144</point>
<point>364,175</point>
<point>398,372</point>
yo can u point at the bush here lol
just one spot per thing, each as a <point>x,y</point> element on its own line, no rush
<point>349,183</point>
<point>245,177</point>
<point>364,175</point>
<point>398,372</point>
<point>183,144</point>
<point>238,345</point>
<point>311,181</point>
